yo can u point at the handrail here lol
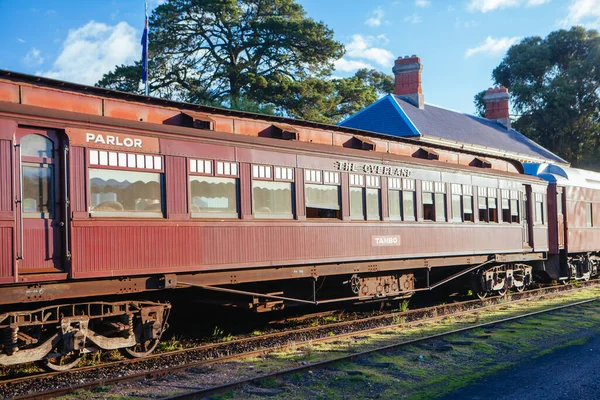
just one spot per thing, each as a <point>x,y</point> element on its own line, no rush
<point>19,202</point>
<point>66,203</point>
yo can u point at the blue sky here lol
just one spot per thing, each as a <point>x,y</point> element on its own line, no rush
<point>459,41</point>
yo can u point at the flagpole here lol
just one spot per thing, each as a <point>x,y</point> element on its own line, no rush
<point>145,52</point>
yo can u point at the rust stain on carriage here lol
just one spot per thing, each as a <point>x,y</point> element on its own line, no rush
<point>9,92</point>
<point>43,97</point>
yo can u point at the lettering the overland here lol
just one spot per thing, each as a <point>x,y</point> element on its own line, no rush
<point>373,169</point>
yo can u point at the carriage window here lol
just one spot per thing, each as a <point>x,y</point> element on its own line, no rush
<point>440,201</point>
<point>322,194</point>
<point>482,203</point>
<point>137,191</point>
<point>492,205</point>
<point>394,199</point>
<point>213,189</point>
<point>457,212</point>
<point>38,189</point>
<point>213,197</point>
<point>373,197</point>
<point>514,210</point>
<point>373,204</point>
<point>272,192</point>
<point>428,204</point>
<point>365,197</point>
<point>409,212</point>
<point>33,145</point>
<point>539,208</point>
<point>115,191</point>
<point>589,215</point>
<point>467,203</point>
<point>357,210</point>
<point>505,204</point>
<point>559,208</point>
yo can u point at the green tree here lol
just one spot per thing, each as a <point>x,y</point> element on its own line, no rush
<point>264,55</point>
<point>554,84</point>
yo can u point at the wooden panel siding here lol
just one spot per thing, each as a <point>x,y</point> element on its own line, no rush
<point>136,247</point>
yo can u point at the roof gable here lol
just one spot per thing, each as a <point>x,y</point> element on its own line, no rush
<point>383,116</point>
<point>393,115</point>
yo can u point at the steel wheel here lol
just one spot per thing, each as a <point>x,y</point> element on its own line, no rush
<point>482,294</point>
<point>520,289</point>
<point>141,350</point>
<point>355,284</point>
<point>61,363</point>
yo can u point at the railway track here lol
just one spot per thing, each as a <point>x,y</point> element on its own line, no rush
<point>38,385</point>
<point>203,393</point>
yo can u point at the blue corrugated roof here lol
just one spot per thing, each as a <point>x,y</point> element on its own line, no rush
<point>438,122</point>
<point>383,116</point>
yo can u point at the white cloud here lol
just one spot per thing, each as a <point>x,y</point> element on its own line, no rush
<point>413,19</point>
<point>155,3</point>
<point>33,57</point>
<point>493,46</point>
<point>533,3</point>
<point>363,52</point>
<point>375,18</point>
<point>422,3</point>
<point>485,6</point>
<point>93,50</point>
<point>345,65</point>
<point>363,47</point>
<point>20,40</point>
<point>583,12</point>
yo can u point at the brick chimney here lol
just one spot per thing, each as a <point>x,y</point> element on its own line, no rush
<point>408,79</point>
<point>496,105</point>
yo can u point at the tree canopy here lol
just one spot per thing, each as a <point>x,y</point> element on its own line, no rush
<point>248,52</point>
<point>554,83</point>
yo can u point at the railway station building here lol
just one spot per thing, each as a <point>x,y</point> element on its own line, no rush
<point>405,114</point>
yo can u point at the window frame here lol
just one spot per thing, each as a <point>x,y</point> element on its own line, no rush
<point>457,191</point>
<point>133,163</point>
<point>468,192</point>
<point>323,178</point>
<point>365,182</point>
<point>539,199</point>
<point>427,188</point>
<point>286,175</point>
<point>223,169</point>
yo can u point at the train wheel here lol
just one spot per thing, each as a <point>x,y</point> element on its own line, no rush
<point>60,363</point>
<point>141,350</point>
<point>502,292</point>
<point>520,289</point>
<point>482,294</point>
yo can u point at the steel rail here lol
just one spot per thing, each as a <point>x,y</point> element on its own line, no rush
<point>439,310</point>
<point>202,393</point>
<point>434,310</point>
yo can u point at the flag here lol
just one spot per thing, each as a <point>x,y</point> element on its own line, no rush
<point>145,52</point>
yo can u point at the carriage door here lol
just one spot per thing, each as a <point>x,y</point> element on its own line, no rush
<point>38,200</point>
<point>560,203</point>
<point>527,217</point>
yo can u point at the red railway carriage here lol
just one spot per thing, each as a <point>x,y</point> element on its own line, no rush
<point>574,220</point>
<point>107,194</point>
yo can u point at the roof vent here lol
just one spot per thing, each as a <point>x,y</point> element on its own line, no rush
<point>197,120</point>
<point>361,143</point>
<point>480,162</point>
<point>426,154</point>
<point>285,132</point>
